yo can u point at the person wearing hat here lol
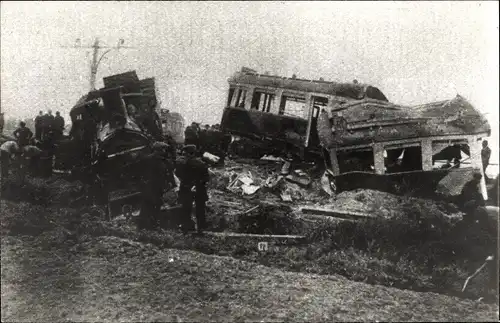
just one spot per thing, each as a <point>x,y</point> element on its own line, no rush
<point>155,171</point>
<point>192,135</point>
<point>193,175</point>
<point>38,126</point>
<point>58,125</point>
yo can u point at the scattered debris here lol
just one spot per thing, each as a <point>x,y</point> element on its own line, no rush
<point>212,159</point>
<point>273,180</point>
<point>272,158</point>
<point>286,197</point>
<point>304,181</point>
<point>251,209</point>
<point>249,189</point>
<point>326,185</point>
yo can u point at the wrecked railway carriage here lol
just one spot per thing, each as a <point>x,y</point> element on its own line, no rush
<point>363,140</point>
<point>113,132</point>
<point>281,114</point>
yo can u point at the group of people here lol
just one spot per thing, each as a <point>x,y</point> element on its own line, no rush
<point>194,133</point>
<point>20,150</point>
<point>208,139</point>
<point>193,176</point>
<point>47,125</point>
<point>191,171</point>
<point>28,146</point>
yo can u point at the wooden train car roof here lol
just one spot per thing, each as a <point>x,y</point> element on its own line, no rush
<point>371,121</point>
<point>349,90</point>
<point>131,83</point>
<point>122,79</point>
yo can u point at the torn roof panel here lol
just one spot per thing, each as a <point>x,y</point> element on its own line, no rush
<point>370,121</point>
<point>87,98</point>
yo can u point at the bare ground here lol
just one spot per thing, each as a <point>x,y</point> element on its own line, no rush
<point>113,279</point>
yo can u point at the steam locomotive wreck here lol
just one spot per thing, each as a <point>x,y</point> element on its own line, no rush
<point>115,130</point>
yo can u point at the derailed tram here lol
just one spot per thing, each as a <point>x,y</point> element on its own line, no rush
<point>362,139</point>
<point>280,114</point>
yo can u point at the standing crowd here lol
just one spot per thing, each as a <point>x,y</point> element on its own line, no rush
<point>28,146</point>
<point>48,126</point>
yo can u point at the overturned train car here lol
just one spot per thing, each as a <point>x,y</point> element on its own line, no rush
<point>380,145</point>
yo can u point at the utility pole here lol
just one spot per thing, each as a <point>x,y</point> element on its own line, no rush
<point>95,61</point>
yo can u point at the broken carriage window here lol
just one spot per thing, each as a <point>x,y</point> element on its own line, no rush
<point>262,101</point>
<point>230,96</point>
<point>449,153</point>
<point>237,98</point>
<point>403,159</point>
<point>319,103</point>
<point>293,106</point>
<point>356,161</point>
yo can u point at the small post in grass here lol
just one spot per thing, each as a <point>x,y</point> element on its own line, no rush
<point>262,246</point>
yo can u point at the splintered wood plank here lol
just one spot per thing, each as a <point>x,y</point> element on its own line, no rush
<point>252,235</point>
<point>117,196</point>
<point>337,213</point>
<point>317,217</point>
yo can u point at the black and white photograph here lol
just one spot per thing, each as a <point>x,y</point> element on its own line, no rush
<point>249,161</point>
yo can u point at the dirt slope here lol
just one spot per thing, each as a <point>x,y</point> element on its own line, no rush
<point>110,279</point>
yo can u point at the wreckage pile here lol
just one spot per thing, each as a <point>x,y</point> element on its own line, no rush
<point>386,205</point>
<point>261,179</point>
<point>243,189</point>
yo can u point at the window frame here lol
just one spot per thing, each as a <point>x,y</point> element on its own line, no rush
<point>238,97</point>
<point>263,105</point>
<point>284,98</point>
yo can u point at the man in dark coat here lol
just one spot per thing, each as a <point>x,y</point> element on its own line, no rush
<point>171,156</point>
<point>155,171</point>
<point>193,175</point>
<point>58,125</point>
<point>23,135</point>
<point>38,126</point>
<point>47,124</point>
<point>191,135</point>
<point>485,157</point>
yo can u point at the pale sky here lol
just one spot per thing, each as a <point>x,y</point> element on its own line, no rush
<point>414,52</point>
